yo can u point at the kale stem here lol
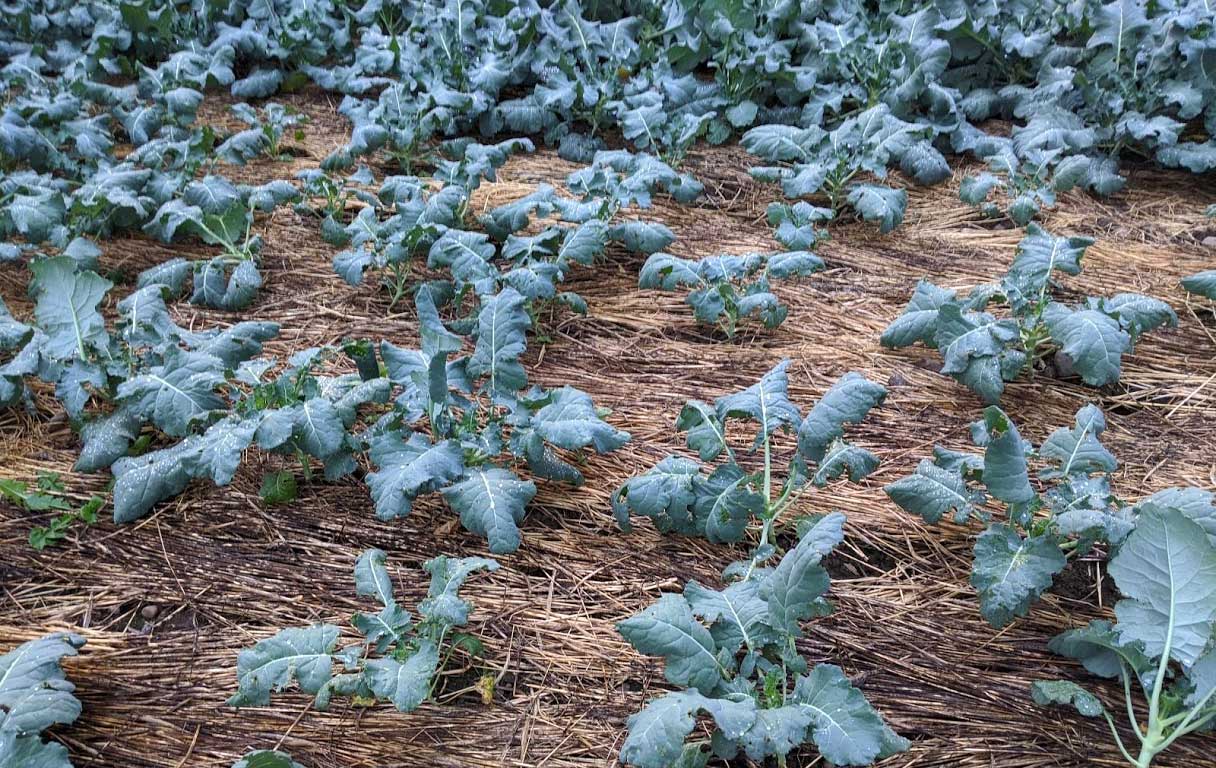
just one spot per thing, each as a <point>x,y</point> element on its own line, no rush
<point>768,472</point>
<point>1119,740</point>
<point>1127,698</point>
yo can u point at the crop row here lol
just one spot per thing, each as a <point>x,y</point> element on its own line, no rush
<point>101,136</point>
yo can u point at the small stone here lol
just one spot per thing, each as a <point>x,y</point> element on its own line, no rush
<point>149,612</point>
<point>1210,241</point>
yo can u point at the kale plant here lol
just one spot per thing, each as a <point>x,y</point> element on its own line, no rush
<point>1163,636</point>
<point>218,213</point>
<point>733,655</point>
<point>457,416</point>
<point>265,134</point>
<point>983,351</point>
<point>327,198</point>
<point>678,496</point>
<point>730,287</point>
<point>35,694</point>
<point>1032,181</point>
<point>1018,556</point>
<point>825,163</point>
<point>399,660</point>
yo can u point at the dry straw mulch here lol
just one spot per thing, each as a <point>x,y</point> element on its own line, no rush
<point>167,602</point>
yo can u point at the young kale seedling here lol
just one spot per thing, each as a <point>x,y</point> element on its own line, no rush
<point>399,659</point>
<point>1162,639</point>
<point>983,351</point>
<point>794,225</point>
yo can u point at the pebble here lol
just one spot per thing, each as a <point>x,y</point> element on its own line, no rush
<point>149,612</point>
<point>1210,241</point>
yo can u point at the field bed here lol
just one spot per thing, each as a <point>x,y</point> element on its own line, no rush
<point>167,603</point>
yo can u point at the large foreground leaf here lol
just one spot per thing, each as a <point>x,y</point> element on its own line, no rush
<point>1166,570</point>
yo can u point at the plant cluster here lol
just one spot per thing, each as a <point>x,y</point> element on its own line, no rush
<point>36,694</point>
<point>983,351</point>
<point>814,161</point>
<point>1163,561</point>
<point>834,91</point>
<point>398,660</point>
<point>732,651</point>
<point>730,287</point>
<point>218,213</point>
<point>213,395</point>
<point>456,416</point>
<point>410,217</point>
<point>99,135</point>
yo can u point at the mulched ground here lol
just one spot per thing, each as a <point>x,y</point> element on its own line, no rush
<point>166,603</point>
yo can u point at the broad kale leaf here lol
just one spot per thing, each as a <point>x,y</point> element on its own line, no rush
<point>35,694</point>
<point>1166,572</point>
